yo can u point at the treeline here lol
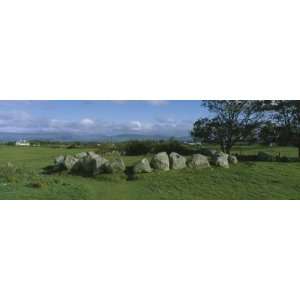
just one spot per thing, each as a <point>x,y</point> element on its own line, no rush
<point>150,146</point>
<point>132,147</point>
<point>235,121</point>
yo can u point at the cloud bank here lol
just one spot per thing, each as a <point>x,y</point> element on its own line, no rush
<point>23,122</point>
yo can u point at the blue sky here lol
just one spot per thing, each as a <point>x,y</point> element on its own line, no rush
<point>103,117</point>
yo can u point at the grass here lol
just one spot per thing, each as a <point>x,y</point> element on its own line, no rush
<point>255,180</point>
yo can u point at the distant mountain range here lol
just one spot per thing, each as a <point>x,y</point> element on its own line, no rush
<point>70,137</point>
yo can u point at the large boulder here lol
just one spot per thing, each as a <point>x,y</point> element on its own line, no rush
<point>116,153</point>
<point>59,160</point>
<point>93,154</point>
<point>115,166</point>
<point>71,163</point>
<point>198,161</point>
<point>177,161</point>
<point>232,159</point>
<point>92,164</point>
<point>142,166</point>
<point>160,161</point>
<point>81,155</point>
<point>221,160</point>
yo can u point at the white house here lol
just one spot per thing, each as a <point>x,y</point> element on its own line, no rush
<point>22,143</point>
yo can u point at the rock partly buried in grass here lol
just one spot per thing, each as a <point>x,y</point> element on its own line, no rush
<point>115,166</point>
<point>263,156</point>
<point>198,161</point>
<point>71,163</point>
<point>232,159</point>
<point>93,154</point>
<point>116,153</point>
<point>92,164</point>
<point>142,166</point>
<point>81,155</point>
<point>177,161</point>
<point>87,163</point>
<point>59,160</point>
<point>221,160</point>
<point>160,161</point>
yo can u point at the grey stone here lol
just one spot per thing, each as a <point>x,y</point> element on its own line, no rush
<point>142,166</point>
<point>115,166</point>
<point>232,159</point>
<point>198,161</point>
<point>93,165</point>
<point>177,161</point>
<point>59,160</point>
<point>116,153</point>
<point>81,155</point>
<point>71,163</point>
<point>160,161</point>
<point>93,154</point>
<point>221,160</point>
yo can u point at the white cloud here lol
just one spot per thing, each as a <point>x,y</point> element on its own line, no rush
<point>87,122</point>
<point>135,125</point>
<point>20,121</point>
<point>157,102</point>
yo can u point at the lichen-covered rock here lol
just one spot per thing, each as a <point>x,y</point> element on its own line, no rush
<point>160,161</point>
<point>92,165</point>
<point>142,166</point>
<point>177,161</point>
<point>81,155</point>
<point>232,159</point>
<point>59,160</point>
<point>116,153</point>
<point>115,166</point>
<point>93,154</point>
<point>221,160</point>
<point>198,161</point>
<point>71,163</point>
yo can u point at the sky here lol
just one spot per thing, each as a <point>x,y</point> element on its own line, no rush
<point>153,117</point>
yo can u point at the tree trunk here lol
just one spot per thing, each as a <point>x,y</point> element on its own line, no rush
<point>222,144</point>
<point>228,149</point>
<point>299,152</point>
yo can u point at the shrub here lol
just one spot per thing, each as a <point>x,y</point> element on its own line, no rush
<point>263,156</point>
<point>137,147</point>
<point>171,146</point>
<point>105,148</point>
<point>148,146</point>
<point>9,173</point>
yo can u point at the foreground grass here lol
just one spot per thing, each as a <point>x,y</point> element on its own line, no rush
<point>259,180</point>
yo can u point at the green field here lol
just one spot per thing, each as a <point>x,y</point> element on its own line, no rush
<point>247,180</point>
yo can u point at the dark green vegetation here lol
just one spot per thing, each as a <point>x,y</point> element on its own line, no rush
<point>24,179</point>
<point>253,122</point>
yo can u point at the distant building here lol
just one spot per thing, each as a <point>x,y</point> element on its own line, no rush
<point>193,143</point>
<point>22,143</point>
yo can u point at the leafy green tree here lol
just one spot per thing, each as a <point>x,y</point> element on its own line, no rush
<point>232,121</point>
<point>269,132</point>
<point>287,115</point>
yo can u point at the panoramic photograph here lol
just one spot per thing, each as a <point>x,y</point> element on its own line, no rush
<point>206,149</point>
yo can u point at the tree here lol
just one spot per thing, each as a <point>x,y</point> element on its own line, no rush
<point>287,115</point>
<point>233,121</point>
<point>269,132</point>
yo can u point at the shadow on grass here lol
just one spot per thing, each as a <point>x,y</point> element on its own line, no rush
<point>130,174</point>
<point>127,175</point>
